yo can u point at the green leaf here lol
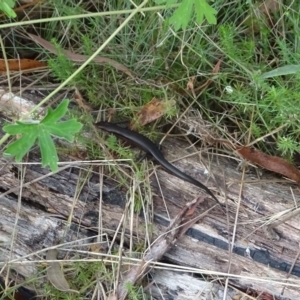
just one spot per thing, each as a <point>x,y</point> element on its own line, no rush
<point>7,7</point>
<point>182,15</point>
<point>65,129</point>
<point>48,151</point>
<point>56,114</point>
<point>18,128</point>
<point>21,146</point>
<point>204,9</point>
<point>286,70</point>
<point>42,132</point>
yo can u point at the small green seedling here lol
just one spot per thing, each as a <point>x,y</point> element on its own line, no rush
<point>42,132</point>
<point>183,14</point>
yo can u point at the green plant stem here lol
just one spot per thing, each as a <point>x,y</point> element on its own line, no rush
<point>91,58</point>
<point>6,63</point>
<point>91,15</point>
<point>133,12</point>
<point>6,136</point>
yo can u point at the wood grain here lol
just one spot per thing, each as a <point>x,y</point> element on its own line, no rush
<point>254,259</point>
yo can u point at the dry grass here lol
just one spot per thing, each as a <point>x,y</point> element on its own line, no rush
<point>163,62</point>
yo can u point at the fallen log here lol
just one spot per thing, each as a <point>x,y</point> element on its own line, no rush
<point>43,203</point>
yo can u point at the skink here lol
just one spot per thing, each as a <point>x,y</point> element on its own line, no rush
<point>149,147</point>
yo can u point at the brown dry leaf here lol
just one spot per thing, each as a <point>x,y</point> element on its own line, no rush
<point>192,207</point>
<point>269,162</point>
<point>216,68</point>
<point>190,84</point>
<point>152,111</point>
<point>81,58</point>
<point>21,64</point>
<point>55,274</point>
<point>80,101</point>
<point>187,221</point>
<point>215,71</point>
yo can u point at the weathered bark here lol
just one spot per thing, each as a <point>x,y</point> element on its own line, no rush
<point>205,247</point>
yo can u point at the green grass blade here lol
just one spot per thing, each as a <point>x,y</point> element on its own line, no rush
<point>286,70</point>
